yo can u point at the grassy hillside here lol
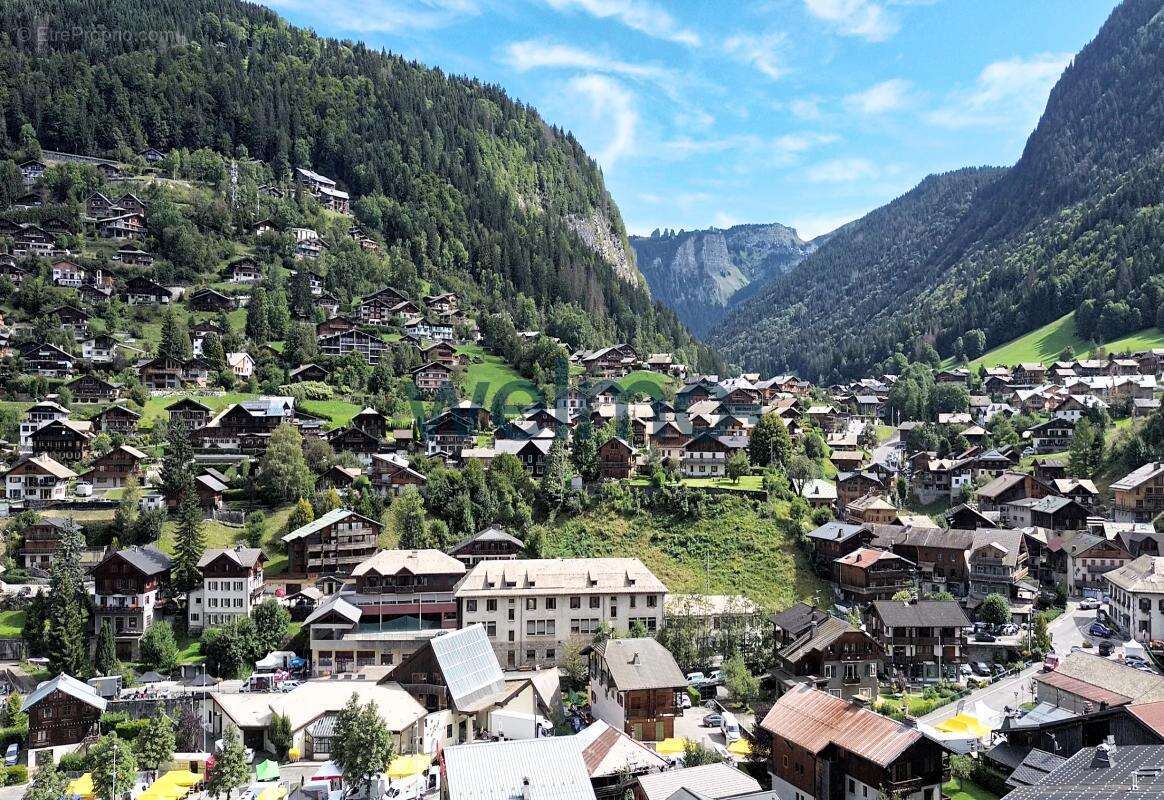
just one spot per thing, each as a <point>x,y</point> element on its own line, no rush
<point>741,548</point>
<point>1046,343</point>
<point>488,374</point>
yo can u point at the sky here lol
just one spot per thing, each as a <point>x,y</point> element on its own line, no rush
<point>709,113</point>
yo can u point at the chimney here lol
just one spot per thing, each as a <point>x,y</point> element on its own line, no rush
<point>525,791</point>
<point>1105,755</point>
<point>635,659</point>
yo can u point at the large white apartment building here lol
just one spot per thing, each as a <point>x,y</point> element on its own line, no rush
<point>532,609</point>
<point>1137,597</point>
<point>232,585</point>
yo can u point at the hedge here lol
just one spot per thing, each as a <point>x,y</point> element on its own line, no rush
<point>130,729</point>
<point>15,775</point>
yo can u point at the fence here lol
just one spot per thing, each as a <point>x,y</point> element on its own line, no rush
<point>229,517</point>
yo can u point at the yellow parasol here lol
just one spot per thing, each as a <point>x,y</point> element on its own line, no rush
<point>181,777</point>
<point>671,747</point>
<point>273,793</point>
<point>740,747</point>
<point>963,724</point>
<point>407,766</point>
<point>82,786</point>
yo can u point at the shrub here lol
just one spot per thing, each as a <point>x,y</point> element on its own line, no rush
<point>73,762</point>
<point>129,730</point>
<point>111,719</point>
<point>15,775</point>
<point>13,733</point>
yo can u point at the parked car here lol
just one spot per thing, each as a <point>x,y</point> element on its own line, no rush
<point>715,678</point>
<point>1089,604</point>
<point>713,720</point>
<point>1105,649</point>
<point>685,700</point>
<point>11,755</point>
<point>1051,662</point>
<point>1099,629</point>
<point>983,636</point>
<point>696,679</point>
<point>980,668</point>
<point>729,727</point>
<point>965,671</point>
<point>1010,630</point>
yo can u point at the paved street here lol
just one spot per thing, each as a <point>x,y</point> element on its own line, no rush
<point>1066,632</point>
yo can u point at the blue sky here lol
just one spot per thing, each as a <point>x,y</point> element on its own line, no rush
<point>807,112</point>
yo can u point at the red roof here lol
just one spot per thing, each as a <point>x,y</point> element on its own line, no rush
<point>1079,688</point>
<point>1151,714</point>
<point>864,556</point>
<point>814,719</point>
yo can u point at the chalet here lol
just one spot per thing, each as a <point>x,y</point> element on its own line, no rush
<point>92,388</point>
<point>140,290</point>
<point>391,474</point>
<point>210,491</point>
<point>241,364</point>
<point>866,574</point>
<point>442,353</point>
<point>165,373</point>
<point>64,440</point>
<point>997,562</point>
<point>442,303</point>
<point>429,329</point>
<point>98,205</point>
<point>113,469</point>
<point>635,686</point>
<point>334,544</point>
<point>830,654</point>
<point>231,586</point>
<point>71,319</point>
<point>855,485</point>
<point>369,347</point>
<point>381,309</point>
<point>1007,487</point>
<point>1089,558</point>
<point>616,459</point>
<point>669,437</point>
<point>125,593</point>
<point>189,413</point>
<point>47,360</point>
<point>13,273</point>
<point>32,240</point>
<point>450,432</point>
<point>1139,495</point>
<point>338,324</point>
<point>62,713</point>
<point>337,477</point>
<point>309,372</point>
<point>351,439</point>
<point>1052,436</point>
<point>922,639</point>
<point>610,362</point>
<point>30,200</point>
<point>491,544</point>
<point>307,243</point>
<point>247,426</point>
<point>872,509</point>
<point>117,419</point>
<point>133,256</point>
<point>243,270</point>
<point>328,303</point>
<point>262,227</point>
<point>207,299</point>
<point>131,203</point>
<point>940,554</point>
<point>42,541</point>
<point>432,377</point>
<point>32,171</point>
<point>152,155</point>
<point>532,453</point>
<point>123,226</point>
<point>1030,373</point>
<point>705,456</point>
<point>826,747</point>
<point>324,189</point>
<point>1048,469</point>
<point>831,541</point>
<point>66,273</point>
<point>34,480</point>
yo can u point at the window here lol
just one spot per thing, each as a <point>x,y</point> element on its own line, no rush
<point>551,604</point>
<point>471,605</point>
<point>540,627</point>
<point>613,608</point>
<point>652,601</point>
<point>490,628</point>
<point>531,655</point>
<point>490,605</point>
<point>531,604</point>
<point>852,787</point>
<point>595,602</point>
<point>575,602</point>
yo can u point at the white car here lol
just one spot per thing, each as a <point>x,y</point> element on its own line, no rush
<point>1089,604</point>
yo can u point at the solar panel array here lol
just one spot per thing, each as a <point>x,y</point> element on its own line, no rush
<point>469,664</point>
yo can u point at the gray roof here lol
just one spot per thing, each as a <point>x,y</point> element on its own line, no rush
<point>640,664</point>
<point>337,604</point>
<point>836,531</point>
<point>491,534</point>
<point>1129,774</point>
<point>921,613</point>
<point>469,665</point>
<point>1011,541</point>
<point>244,556</point>
<point>331,517</point>
<point>1034,768</point>
<point>552,766</point>
<point>70,686</point>
<point>714,781</point>
<point>147,558</point>
<point>825,634</point>
<point>798,617</point>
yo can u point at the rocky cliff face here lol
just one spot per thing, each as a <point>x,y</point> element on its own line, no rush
<point>700,274</point>
<point>605,239</point>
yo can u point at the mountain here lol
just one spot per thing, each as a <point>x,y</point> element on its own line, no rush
<point>473,191</point>
<point>1076,224</point>
<point>700,273</point>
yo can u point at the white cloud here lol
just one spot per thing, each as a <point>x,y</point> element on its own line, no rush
<point>1009,93</point>
<point>861,18</point>
<point>382,16</point>
<point>759,51</point>
<point>805,107</point>
<point>722,219</point>
<point>842,170</point>
<point>880,98</point>
<point>613,104</point>
<point>639,15</point>
<point>787,148</point>
<point>532,54</point>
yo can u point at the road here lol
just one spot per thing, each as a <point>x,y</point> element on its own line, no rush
<point>886,452</point>
<point>1066,632</point>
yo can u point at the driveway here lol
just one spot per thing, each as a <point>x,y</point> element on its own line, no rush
<point>1066,632</point>
<point>886,452</point>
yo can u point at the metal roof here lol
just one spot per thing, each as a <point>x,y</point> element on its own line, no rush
<point>70,686</point>
<point>814,720</point>
<point>469,665</point>
<point>709,780</point>
<point>331,517</point>
<point>547,769</point>
<point>640,664</point>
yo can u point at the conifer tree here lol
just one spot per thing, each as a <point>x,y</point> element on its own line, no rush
<point>189,542</point>
<point>105,657</point>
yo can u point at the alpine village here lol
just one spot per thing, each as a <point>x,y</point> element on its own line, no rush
<point>348,455</point>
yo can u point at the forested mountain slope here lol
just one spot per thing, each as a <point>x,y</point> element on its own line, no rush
<point>1075,224</point>
<point>701,273</point>
<point>481,195</point>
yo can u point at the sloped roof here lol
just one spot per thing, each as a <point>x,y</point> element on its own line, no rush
<point>921,613</point>
<point>415,562</point>
<point>493,533</point>
<point>70,686</point>
<point>146,558</point>
<point>709,780</point>
<point>608,751</point>
<point>552,768</point>
<point>330,518</point>
<point>640,664</point>
<point>814,720</point>
<point>243,556</point>
<point>469,665</point>
<point>827,632</point>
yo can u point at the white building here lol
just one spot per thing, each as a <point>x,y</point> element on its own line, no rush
<point>37,417</point>
<point>532,609</point>
<point>241,364</point>
<point>37,479</point>
<point>232,585</point>
<point>1137,597</point>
